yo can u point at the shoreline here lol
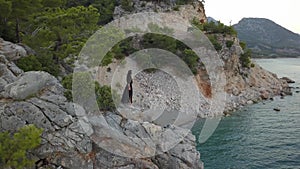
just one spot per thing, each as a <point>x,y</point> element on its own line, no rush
<point>276,57</point>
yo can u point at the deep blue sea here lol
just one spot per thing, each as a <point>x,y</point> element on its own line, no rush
<point>257,136</point>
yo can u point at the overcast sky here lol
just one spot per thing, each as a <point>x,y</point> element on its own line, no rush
<point>285,12</point>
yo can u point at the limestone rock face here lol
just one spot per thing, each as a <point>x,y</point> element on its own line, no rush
<point>11,51</point>
<point>8,73</point>
<point>247,85</point>
<point>70,137</point>
<point>30,83</point>
<point>243,85</point>
<point>189,11</point>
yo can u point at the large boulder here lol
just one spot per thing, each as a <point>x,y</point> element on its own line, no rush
<point>8,73</point>
<point>12,51</point>
<point>29,84</point>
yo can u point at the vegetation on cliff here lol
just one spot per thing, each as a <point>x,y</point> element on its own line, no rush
<point>57,30</point>
<point>212,28</point>
<point>14,148</point>
<point>103,93</point>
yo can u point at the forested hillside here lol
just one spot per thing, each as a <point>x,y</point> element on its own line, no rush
<point>56,30</point>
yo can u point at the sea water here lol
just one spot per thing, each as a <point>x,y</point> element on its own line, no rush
<point>257,136</point>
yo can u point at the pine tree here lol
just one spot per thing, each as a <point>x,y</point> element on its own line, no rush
<point>16,13</point>
<point>60,33</point>
<point>14,148</point>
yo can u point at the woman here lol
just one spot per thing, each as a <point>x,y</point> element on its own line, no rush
<point>128,91</point>
<point>129,84</point>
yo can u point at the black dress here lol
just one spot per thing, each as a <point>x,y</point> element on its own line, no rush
<point>128,90</point>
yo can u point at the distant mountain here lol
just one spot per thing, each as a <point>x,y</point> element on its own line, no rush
<point>268,39</point>
<point>211,19</point>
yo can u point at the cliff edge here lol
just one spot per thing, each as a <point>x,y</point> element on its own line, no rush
<point>69,139</point>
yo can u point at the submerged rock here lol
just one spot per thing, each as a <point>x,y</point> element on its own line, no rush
<point>276,109</point>
<point>288,80</point>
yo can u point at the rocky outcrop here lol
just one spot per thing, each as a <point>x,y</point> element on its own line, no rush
<point>70,138</point>
<point>29,84</point>
<point>244,85</point>
<point>190,11</point>
<point>11,51</point>
<point>8,72</point>
<point>247,85</point>
<point>288,80</point>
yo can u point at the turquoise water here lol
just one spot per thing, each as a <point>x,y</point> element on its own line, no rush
<point>257,136</point>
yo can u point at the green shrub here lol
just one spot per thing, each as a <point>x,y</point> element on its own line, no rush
<point>119,51</point>
<point>67,84</point>
<point>229,30</point>
<point>172,45</point>
<point>49,65</point>
<point>14,148</point>
<point>229,43</point>
<point>127,5</point>
<point>143,4</point>
<point>103,93</point>
<point>151,40</point>
<point>243,45</point>
<point>197,23</point>
<point>215,27</point>
<point>245,58</point>
<point>158,29</point>
<point>29,63</point>
<point>183,2</point>
<point>104,97</point>
<point>150,70</point>
<point>108,58</point>
<point>191,59</point>
<point>39,63</point>
<point>67,81</point>
<point>176,8</point>
<point>214,41</point>
<point>33,63</point>
<point>159,41</point>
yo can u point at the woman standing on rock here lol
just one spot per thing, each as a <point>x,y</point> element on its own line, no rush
<point>128,91</point>
<point>129,84</point>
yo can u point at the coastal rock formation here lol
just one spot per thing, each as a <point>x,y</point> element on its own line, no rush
<point>247,85</point>
<point>69,139</point>
<point>189,11</point>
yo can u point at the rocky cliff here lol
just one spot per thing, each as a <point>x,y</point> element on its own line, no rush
<point>244,85</point>
<point>68,139</point>
<point>247,85</point>
<point>189,11</point>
